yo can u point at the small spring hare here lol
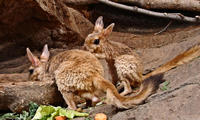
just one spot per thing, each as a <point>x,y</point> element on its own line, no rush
<point>120,57</point>
<point>125,61</point>
<point>79,72</point>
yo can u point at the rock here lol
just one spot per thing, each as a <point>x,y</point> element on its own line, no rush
<point>177,103</point>
<point>106,109</point>
<point>17,92</point>
<point>79,2</point>
<point>36,22</point>
<point>12,78</point>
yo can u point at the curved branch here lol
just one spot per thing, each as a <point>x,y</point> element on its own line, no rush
<point>189,5</point>
<point>175,16</point>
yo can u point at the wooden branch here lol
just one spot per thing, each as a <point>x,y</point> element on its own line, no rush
<point>175,16</point>
<point>189,5</point>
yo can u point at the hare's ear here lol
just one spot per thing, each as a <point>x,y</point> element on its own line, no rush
<point>99,24</point>
<point>45,54</point>
<point>34,60</point>
<point>109,29</point>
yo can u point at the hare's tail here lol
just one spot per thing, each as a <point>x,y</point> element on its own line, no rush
<point>148,87</point>
<point>182,58</point>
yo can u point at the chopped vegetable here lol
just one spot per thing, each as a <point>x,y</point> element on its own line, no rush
<point>32,109</point>
<point>8,116</point>
<point>100,116</point>
<point>43,112</point>
<point>71,113</point>
<point>50,112</point>
<point>60,118</point>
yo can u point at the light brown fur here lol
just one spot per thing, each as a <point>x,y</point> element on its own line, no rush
<point>125,61</point>
<point>78,72</point>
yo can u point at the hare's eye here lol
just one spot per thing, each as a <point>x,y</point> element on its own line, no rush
<point>96,41</point>
<point>31,71</point>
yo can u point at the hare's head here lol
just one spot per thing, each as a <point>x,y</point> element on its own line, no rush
<point>95,41</point>
<point>38,66</point>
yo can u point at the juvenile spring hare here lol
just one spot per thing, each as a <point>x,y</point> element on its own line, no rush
<point>78,72</point>
<point>125,61</point>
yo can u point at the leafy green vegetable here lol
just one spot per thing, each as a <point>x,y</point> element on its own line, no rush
<point>8,116</point>
<point>42,112</point>
<point>71,113</point>
<point>50,112</point>
<point>165,86</point>
<point>23,116</point>
<point>32,109</point>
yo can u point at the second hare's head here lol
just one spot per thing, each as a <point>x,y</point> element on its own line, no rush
<point>98,38</point>
<point>38,66</point>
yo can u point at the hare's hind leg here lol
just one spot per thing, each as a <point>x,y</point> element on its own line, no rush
<point>69,99</point>
<point>127,87</point>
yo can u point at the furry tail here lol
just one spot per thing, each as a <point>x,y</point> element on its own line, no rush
<point>183,58</point>
<point>148,87</point>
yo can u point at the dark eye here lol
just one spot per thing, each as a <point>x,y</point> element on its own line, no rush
<point>96,41</point>
<point>31,71</point>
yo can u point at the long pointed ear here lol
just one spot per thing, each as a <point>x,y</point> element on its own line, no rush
<point>99,24</point>
<point>109,29</point>
<point>45,54</point>
<point>34,60</point>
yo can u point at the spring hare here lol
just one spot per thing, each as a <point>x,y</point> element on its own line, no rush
<point>79,72</point>
<point>125,61</point>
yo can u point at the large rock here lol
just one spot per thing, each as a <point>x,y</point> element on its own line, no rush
<point>36,22</point>
<point>180,101</point>
<point>16,92</point>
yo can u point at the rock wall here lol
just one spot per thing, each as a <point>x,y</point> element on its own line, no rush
<point>36,22</point>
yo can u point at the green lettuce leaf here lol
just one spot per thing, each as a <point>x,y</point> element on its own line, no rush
<point>50,112</point>
<point>71,113</point>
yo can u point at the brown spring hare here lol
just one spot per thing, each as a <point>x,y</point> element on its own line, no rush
<point>79,72</point>
<point>124,61</point>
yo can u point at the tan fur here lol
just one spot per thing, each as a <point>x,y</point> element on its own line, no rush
<point>78,72</point>
<point>125,61</point>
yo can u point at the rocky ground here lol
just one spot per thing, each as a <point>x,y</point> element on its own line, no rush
<point>31,23</point>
